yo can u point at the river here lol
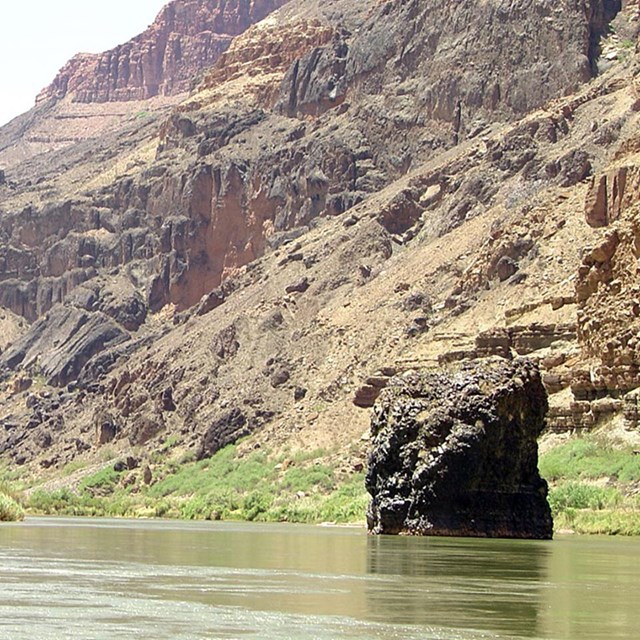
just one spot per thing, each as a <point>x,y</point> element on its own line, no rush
<point>105,579</point>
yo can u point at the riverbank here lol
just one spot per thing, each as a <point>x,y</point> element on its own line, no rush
<point>301,487</point>
<point>594,484</point>
<point>594,487</point>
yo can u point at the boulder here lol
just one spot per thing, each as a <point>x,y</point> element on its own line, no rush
<point>505,268</point>
<point>455,453</point>
<point>299,286</point>
<point>146,428</point>
<point>120,300</point>
<point>279,377</point>
<point>225,344</point>
<point>226,429</point>
<point>106,427</point>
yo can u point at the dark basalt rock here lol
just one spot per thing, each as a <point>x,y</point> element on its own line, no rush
<point>228,428</point>
<point>60,344</point>
<point>455,453</point>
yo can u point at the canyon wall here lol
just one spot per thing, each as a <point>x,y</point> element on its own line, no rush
<point>382,130</point>
<point>186,37</point>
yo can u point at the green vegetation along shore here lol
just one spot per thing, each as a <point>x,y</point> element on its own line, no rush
<point>594,489</point>
<point>594,486</point>
<point>301,487</point>
<point>10,508</point>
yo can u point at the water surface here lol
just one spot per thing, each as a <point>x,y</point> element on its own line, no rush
<point>103,579</point>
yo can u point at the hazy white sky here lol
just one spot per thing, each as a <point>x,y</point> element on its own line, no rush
<point>38,36</point>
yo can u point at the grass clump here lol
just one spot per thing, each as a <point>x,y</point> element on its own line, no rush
<point>588,458</point>
<point>104,481</point>
<point>593,486</point>
<point>99,494</point>
<point>574,495</point>
<point>602,522</point>
<point>64,502</point>
<point>346,504</point>
<point>299,479</point>
<point>73,467</point>
<point>11,509</point>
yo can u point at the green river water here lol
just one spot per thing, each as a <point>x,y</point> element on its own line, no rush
<point>108,579</point>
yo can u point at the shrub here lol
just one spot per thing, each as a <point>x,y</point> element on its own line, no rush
<point>307,478</point>
<point>104,481</point>
<point>61,502</point>
<point>347,504</point>
<point>586,458</point>
<point>618,522</point>
<point>10,510</point>
<point>574,495</point>
<point>257,504</point>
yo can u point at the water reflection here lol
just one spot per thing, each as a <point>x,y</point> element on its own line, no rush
<point>459,583</point>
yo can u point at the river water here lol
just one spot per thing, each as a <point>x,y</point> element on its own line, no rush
<point>107,579</point>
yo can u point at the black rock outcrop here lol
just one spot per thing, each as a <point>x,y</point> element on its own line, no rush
<point>85,335</point>
<point>59,345</point>
<point>455,453</point>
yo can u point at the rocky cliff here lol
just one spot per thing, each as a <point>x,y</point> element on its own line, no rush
<point>349,192</point>
<point>238,164</point>
<point>186,37</point>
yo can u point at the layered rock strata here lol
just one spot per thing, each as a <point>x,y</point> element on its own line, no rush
<point>301,120</point>
<point>186,37</point>
<point>455,453</point>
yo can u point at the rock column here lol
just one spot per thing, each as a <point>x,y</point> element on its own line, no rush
<point>455,453</point>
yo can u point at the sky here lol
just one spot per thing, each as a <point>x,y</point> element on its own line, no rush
<point>37,37</point>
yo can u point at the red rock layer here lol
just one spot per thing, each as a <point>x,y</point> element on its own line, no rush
<point>186,37</point>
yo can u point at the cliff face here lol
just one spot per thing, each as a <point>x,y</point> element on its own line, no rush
<point>354,110</point>
<point>186,37</point>
<point>301,118</point>
<point>608,292</point>
<point>351,186</point>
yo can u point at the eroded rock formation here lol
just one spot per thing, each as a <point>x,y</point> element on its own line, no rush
<point>608,294</point>
<point>455,453</point>
<point>186,37</point>
<point>95,318</point>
